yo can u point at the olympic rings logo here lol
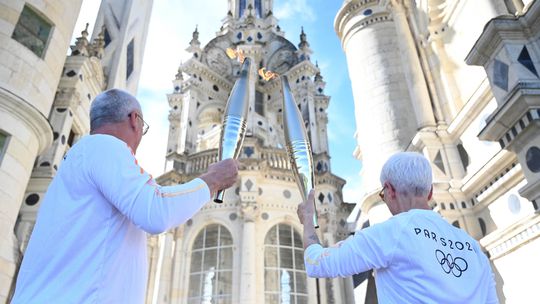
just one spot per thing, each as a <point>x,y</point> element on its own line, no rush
<point>450,265</point>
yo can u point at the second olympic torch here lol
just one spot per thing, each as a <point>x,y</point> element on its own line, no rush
<point>234,120</point>
<point>298,145</point>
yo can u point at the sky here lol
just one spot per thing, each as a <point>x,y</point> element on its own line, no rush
<point>171,26</point>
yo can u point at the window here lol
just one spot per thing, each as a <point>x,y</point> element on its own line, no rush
<point>71,138</point>
<point>4,138</point>
<point>106,37</point>
<point>463,155</point>
<point>129,57</point>
<point>258,8</point>
<point>285,279</point>
<point>32,31</point>
<point>241,8</point>
<point>210,279</point>
<point>259,103</point>
<point>482,226</point>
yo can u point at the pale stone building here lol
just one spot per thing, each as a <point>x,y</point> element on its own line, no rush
<point>34,36</point>
<point>45,99</point>
<point>411,64</point>
<point>248,249</point>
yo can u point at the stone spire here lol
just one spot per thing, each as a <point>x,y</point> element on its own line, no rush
<point>303,40</point>
<point>320,84</point>
<point>81,46</point>
<point>178,80</point>
<point>304,51</point>
<point>195,44</point>
<point>318,76</point>
<point>179,75</point>
<point>98,45</point>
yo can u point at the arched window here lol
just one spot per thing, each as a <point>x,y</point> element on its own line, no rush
<point>284,273</point>
<point>482,226</point>
<point>210,273</point>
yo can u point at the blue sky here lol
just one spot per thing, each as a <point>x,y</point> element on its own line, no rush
<point>171,26</point>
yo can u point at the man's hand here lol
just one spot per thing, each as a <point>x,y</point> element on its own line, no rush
<point>305,214</point>
<point>307,209</point>
<point>221,175</point>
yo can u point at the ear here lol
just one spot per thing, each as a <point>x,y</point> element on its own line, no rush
<point>133,120</point>
<point>391,190</point>
<point>430,195</point>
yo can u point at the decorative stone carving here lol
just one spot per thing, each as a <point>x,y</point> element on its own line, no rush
<point>218,61</point>
<point>281,61</point>
<point>249,210</point>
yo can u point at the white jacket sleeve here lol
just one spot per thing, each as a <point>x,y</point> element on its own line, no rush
<point>119,178</point>
<point>370,248</point>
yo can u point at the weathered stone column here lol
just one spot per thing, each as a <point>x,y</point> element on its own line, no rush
<point>414,75</point>
<point>248,288</point>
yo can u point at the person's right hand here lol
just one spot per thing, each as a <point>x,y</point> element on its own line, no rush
<point>221,175</point>
<point>307,209</point>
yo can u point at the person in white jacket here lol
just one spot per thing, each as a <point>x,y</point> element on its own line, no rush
<point>416,255</point>
<point>89,241</point>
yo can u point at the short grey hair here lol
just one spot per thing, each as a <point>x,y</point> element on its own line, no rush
<point>408,173</point>
<point>111,106</point>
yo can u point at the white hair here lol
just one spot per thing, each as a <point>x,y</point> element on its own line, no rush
<point>408,173</point>
<point>111,106</point>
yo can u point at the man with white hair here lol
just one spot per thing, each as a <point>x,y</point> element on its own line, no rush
<point>89,241</point>
<point>416,255</point>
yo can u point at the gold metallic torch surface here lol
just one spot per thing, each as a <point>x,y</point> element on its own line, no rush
<point>234,120</point>
<point>298,145</point>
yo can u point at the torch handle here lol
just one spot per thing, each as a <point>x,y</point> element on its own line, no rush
<point>219,196</point>
<point>315,216</point>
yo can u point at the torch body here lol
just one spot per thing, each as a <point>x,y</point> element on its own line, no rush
<point>298,145</point>
<point>233,129</point>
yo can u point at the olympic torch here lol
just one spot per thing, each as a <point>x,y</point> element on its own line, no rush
<point>298,145</point>
<point>234,120</point>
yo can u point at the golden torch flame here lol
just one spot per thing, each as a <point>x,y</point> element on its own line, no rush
<point>236,53</point>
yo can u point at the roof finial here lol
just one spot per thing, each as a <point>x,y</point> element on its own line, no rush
<point>81,46</point>
<point>99,44</point>
<point>303,39</point>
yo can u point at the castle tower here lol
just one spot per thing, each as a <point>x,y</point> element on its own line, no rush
<point>248,249</point>
<point>34,36</point>
<point>391,96</point>
<point>82,79</point>
<point>125,25</point>
<point>413,91</point>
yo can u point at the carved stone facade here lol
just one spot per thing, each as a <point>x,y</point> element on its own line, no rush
<point>410,77</point>
<point>259,212</point>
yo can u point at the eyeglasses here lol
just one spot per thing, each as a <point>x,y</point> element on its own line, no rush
<point>381,194</point>
<point>145,125</point>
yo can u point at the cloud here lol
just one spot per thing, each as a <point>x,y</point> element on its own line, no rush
<point>171,28</point>
<point>297,9</point>
<point>352,192</point>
